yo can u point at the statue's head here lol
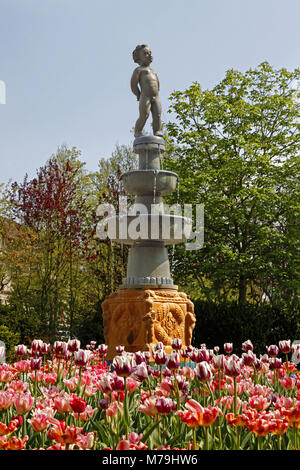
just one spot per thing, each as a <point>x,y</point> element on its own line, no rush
<point>142,55</point>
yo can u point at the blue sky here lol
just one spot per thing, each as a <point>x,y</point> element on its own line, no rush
<point>67,65</point>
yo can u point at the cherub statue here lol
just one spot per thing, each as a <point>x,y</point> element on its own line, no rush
<point>145,85</point>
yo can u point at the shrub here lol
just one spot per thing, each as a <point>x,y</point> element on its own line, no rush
<point>231,322</point>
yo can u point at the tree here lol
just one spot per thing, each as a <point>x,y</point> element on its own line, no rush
<point>236,150</point>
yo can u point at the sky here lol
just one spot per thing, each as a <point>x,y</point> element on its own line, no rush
<point>66,66</point>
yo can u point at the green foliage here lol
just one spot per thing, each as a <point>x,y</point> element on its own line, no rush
<point>10,339</point>
<point>236,150</point>
<point>89,326</point>
<point>231,322</point>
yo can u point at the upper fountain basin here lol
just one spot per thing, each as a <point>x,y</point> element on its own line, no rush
<point>170,229</point>
<point>148,182</point>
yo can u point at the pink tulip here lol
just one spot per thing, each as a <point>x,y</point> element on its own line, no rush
<point>176,344</point>
<point>36,364</point>
<point>160,357</point>
<point>60,349</point>
<point>102,350</point>
<point>20,350</point>
<point>23,403</point>
<point>247,346</point>
<point>6,399</point>
<point>62,404</point>
<point>164,406</point>
<point>148,407</point>
<point>173,360</point>
<point>73,345</point>
<point>140,372</point>
<point>85,442</point>
<point>123,365</point>
<point>272,350</point>
<point>203,372</point>
<point>233,366</point>
<point>228,348</point>
<point>285,346</point>
<point>39,422</point>
<point>36,346</point>
<point>82,357</point>
<point>248,358</point>
<point>218,361</point>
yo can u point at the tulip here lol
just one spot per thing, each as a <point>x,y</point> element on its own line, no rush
<point>123,365</point>
<point>16,443</point>
<point>173,360</point>
<point>157,346</point>
<point>102,350</point>
<point>148,407</point>
<point>259,402</point>
<point>176,344</point>
<point>106,383</point>
<point>275,363</point>
<point>164,406</point>
<point>103,403</point>
<point>285,346</point>
<point>85,442</point>
<point>160,357</point>
<point>6,399</point>
<point>77,404</point>
<point>64,434</point>
<point>36,346</point>
<point>20,350</point>
<point>203,372</point>
<point>139,357</point>
<point>60,349</point>
<point>196,415</point>
<point>120,349</point>
<point>272,350</point>
<point>218,362</point>
<point>35,364</point>
<point>73,345</point>
<point>228,348</point>
<point>288,383</point>
<point>247,346</point>
<point>200,355</point>
<point>23,403</point>
<point>62,404</point>
<point>45,348</point>
<point>248,358</point>
<point>82,357</point>
<point>141,372</point>
<point>232,366</point>
<point>118,384</point>
<point>39,422</point>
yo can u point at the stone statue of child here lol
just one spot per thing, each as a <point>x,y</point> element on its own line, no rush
<point>145,85</point>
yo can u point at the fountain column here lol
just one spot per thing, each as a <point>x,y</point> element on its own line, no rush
<point>148,307</point>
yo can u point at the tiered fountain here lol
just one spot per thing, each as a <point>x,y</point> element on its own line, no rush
<point>148,307</point>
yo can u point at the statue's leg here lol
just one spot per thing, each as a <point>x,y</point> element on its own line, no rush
<point>144,108</point>
<point>156,115</point>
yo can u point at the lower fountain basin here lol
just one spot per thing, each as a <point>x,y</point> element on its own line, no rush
<point>169,229</point>
<point>148,182</point>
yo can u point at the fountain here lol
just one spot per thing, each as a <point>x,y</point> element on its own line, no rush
<point>148,307</point>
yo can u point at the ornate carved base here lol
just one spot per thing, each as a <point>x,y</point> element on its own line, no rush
<point>138,318</point>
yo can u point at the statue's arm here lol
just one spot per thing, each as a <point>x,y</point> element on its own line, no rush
<point>134,83</point>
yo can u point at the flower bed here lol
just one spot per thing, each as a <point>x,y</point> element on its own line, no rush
<point>66,398</point>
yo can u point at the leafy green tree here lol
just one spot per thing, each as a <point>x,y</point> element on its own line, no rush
<point>236,150</point>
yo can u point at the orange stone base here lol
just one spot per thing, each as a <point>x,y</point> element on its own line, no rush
<point>139,318</point>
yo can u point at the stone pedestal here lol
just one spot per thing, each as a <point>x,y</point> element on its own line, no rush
<point>139,318</point>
